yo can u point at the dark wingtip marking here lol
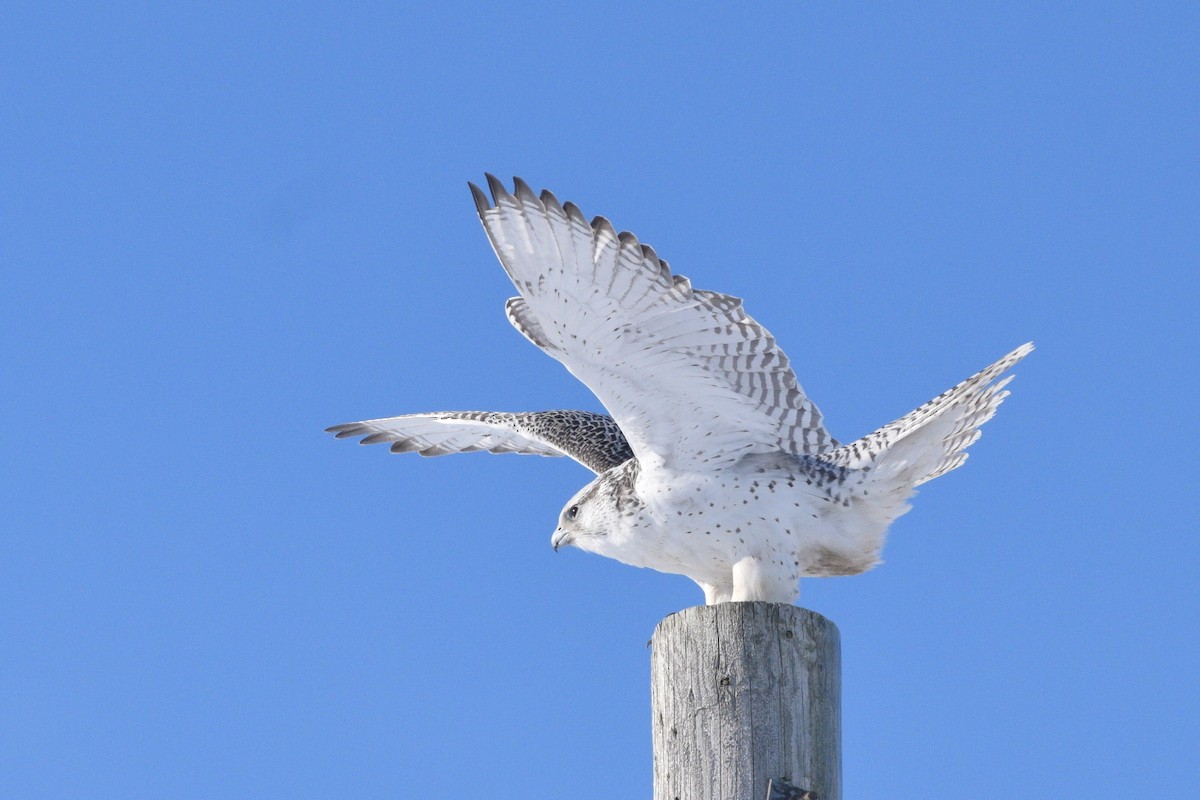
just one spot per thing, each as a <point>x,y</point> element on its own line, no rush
<point>343,430</point>
<point>602,224</point>
<point>481,201</point>
<point>523,191</point>
<point>497,187</point>
<point>574,213</point>
<point>376,438</point>
<point>550,201</point>
<point>627,238</point>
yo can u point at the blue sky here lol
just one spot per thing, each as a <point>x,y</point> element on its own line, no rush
<point>223,229</point>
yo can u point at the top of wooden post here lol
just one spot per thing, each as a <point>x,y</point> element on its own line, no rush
<point>744,694</point>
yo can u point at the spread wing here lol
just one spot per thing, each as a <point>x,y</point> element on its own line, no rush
<point>932,440</point>
<point>692,380</point>
<point>593,440</point>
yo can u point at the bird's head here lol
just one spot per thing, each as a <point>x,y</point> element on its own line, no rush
<point>581,521</point>
<point>594,515</point>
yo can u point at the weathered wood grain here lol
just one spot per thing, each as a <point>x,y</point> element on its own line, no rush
<point>743,693</point>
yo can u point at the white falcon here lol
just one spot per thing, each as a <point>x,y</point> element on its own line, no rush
<point>714,464</point>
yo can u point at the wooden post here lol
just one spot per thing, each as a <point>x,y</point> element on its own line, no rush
<point>743,694</point>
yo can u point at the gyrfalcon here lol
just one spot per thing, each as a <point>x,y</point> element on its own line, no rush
<point>714,463</point>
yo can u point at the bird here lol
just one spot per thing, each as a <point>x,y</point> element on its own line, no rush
<point>712,463</point>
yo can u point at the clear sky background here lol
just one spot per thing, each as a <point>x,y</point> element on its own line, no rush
<point>222,230</point>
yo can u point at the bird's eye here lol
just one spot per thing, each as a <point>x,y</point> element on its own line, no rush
<point>572,512</point>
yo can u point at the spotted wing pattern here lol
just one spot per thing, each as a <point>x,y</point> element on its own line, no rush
<point>692,380</point>
<point>593,440</point>
<point>932,440</point>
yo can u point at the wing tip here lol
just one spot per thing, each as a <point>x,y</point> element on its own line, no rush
<point>550,202</point>
<point>1006,363</point>
<point>575,214</point>
<point>481,201</point>
<point>496,186</point>
<point>523,192</point>
<point>376,438</point>
<point>602,225</point>
<point>1019,353</point>
<point>344,430</point>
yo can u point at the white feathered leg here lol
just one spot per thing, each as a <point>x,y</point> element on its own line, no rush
<point>754,581</point>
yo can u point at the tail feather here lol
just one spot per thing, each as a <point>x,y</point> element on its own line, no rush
<point>931,440</point>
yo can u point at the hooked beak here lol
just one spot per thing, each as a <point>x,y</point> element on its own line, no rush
<point>560,538</point>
